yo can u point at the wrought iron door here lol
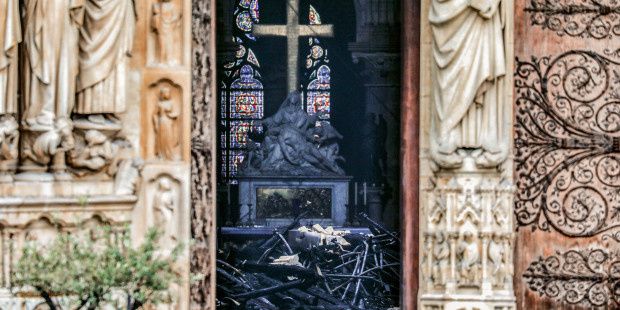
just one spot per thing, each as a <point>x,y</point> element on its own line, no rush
<point>567,153</point>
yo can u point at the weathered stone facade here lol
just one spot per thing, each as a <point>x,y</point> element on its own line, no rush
<point>109,144</point>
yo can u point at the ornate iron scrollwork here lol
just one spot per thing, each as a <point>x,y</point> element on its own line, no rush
<point>588,277</point>
<point>568,143</point>
<point>597,19</point>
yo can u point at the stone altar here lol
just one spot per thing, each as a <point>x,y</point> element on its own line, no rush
<point>248,187</point>
<point>296,150</point>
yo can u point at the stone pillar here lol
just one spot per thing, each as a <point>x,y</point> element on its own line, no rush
<point>466,188</point>
<point>377,52</point>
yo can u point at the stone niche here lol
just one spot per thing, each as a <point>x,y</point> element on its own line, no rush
<point>324,198</point>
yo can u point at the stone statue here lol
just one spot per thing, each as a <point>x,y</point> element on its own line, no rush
<point>10,37</point>
<point>127,177</point>
<point>8,139</point>
<point>165,123</point>
<point>57,140</point>
<point>50,61</point>
<point>96,153</point>
<point>441,260</point>
<point>468,91</point>
<point>105,44</point>
<point>294,144</point>
<point>164,209</point>
<point>469,259</point>
<point>165,21</point>
<point>498,261</point>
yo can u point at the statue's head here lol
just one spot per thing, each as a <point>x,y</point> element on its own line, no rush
<point>293,99</point>
<point>164,184</point>
<point>164,93</point>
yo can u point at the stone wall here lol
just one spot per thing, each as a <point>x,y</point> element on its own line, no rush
<point>101,132</point>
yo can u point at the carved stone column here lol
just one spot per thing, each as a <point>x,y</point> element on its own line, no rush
<point>467,193</point>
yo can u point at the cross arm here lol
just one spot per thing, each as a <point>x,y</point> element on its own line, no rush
<point>316,30</point>
<point>269,30</point>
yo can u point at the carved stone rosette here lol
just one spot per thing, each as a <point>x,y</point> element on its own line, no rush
<point>467,240</point>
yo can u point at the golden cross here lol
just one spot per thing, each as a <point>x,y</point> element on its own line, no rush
<point>293,31</point>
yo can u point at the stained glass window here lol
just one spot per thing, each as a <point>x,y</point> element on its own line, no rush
<point>318,84</point>
<point>242,89</point>
<point>242,95</point>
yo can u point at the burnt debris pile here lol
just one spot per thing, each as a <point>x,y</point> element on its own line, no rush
<point>311,268</point>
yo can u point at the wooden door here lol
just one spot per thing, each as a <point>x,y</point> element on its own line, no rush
<point>567,153</point>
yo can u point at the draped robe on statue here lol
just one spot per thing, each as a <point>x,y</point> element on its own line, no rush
<point>10,36</point>
<point>167,133</point>
<point>105,43</point>
<point>50,66</point>
<point>468,71</point>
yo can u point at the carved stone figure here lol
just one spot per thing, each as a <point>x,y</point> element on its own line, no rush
<point>50,66</point>
<point>165,123</point>
<point>9,134</point>
<point>8,138</point>
<point>127,177</point>
<point>469,259</point>
<point>57,140</point>
<point>468,83</point>
<point>165,21</point>
<point>294,144</point>
<point>10,37</point>
<point>106,40</point>
<point>441,260</point>
<point>96,153</point>
<point>164,210</point>
<point>498,261</point>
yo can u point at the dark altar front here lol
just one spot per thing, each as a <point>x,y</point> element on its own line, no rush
<point>275,201</point>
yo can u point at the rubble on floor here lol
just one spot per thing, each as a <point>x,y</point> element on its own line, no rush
<point>311,268</point>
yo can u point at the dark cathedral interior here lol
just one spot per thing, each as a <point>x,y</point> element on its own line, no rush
<point>340,169</point>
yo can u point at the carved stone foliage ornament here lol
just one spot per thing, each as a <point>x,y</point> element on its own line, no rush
<point>568,143</point>
<point>586,277</point>
<point>597,19</point>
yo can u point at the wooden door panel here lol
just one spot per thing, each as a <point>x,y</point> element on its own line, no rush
<point>567,153</point>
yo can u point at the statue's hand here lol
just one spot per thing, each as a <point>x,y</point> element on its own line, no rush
<point>485,8</point>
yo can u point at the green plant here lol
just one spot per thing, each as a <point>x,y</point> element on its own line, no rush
<point>92,271</point>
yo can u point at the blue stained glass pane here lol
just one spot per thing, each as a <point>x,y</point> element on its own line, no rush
<point>246,96</point>
<point>318,95</point>
<point>223,103</point>
<point>244,21</point>
<point>235,159</point>
<point>242,97</point>
<point>246,104</point>
<point>239,133</point>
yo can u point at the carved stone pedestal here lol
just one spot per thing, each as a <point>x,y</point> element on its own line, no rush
<point>97,147</point>
<point>38,147</point>
<point>467,239</point>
